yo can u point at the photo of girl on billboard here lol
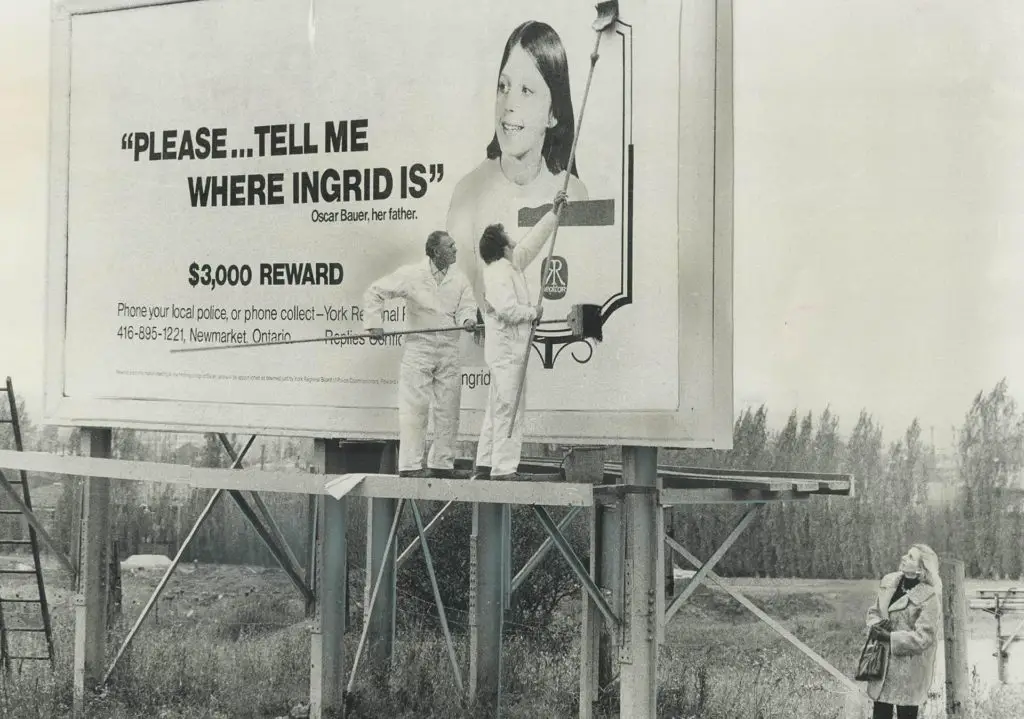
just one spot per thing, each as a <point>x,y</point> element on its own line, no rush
<point>527,157</point>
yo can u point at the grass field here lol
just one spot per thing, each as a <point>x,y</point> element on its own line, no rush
<point>233,642</point>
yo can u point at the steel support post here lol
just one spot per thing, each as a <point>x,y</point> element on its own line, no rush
<point>380,515</point>
<point>92,576</point>
<point>638,653</point>
<point>486,602</point>
<point>327,645</point>
<point>597,649</point>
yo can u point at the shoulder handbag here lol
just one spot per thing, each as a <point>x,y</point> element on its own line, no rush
<point>872,660</point>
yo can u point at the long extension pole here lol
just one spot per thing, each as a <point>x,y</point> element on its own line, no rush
<point>599,26</point>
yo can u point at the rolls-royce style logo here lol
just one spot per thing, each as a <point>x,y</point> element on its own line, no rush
<point>554,277</point>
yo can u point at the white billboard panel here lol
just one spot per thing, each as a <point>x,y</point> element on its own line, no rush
<point>231,172</point>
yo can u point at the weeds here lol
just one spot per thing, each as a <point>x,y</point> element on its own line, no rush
<point>233,643</point>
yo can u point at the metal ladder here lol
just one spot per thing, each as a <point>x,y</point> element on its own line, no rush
<point>21,641</point>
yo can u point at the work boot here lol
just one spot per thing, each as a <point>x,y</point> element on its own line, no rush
<point>422,473</point>
<point>481,472</point>
<point>434,473</point>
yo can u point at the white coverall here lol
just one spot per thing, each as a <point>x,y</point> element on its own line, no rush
<point>509,310</point>
<point>431,373</point>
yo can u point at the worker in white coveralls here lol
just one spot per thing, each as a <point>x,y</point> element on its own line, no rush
<point>436,294</point>
<point>508,314</point>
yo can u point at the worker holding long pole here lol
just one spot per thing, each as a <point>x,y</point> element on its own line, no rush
<point>509,318</point>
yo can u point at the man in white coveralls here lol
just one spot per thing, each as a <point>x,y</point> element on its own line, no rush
<point>508,314</point>
<point>436,294</point>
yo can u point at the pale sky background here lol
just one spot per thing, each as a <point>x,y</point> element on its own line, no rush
<point>879,170</point>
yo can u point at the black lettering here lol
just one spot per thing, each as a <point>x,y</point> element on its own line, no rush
<point>199,190</point>
<point>278,139</point>
<point>141,144</point>
<point>220,139</point>
<point>276,193</point>
<point>382,183</point>
<point>417,181</point>
<point>187,152</point>
<point>257,189</point>
<point>153,154</point>
<point>329,185</point>
<point>307,145</point>
<point>203,143</point>
<point>169,141</point>
<point>359,142</point>
<point>336,136</point>
<point>237,190</point>
<point>261,132</point>
<point>346,136</point>
<point>351,180</point>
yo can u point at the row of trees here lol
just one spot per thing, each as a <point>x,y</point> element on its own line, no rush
<point>978,518</point>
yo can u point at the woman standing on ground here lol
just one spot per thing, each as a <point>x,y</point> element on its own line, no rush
<point>907,615</point>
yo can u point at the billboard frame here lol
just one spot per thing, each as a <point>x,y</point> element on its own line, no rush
<point>704,414</point>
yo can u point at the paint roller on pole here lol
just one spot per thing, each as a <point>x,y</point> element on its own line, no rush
<point>575,311</point>
<point>583,318</point>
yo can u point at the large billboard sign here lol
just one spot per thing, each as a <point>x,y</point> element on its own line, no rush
<point>230,172</point>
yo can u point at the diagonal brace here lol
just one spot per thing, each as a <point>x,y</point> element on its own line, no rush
<point>760,614</point>
<point>34,522</point>
<point>236,462</point>
<point>261,506</point>
<point>367,610</point>
<point>577,567</point>
<point>163,583</point>
<point>437,597</point>
<point>1012,637</point>
<point>706,568</point>
<point>268,540</point>
<point>542,551</point>
<point>415,543</point>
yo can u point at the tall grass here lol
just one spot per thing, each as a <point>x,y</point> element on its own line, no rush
<point>234,643</point>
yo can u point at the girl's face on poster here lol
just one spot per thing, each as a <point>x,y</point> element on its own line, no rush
<point>522,108</point>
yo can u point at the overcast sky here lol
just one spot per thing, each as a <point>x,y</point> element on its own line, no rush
<point>879,169</point>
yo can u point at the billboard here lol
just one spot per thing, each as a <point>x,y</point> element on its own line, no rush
<point>229,172</point>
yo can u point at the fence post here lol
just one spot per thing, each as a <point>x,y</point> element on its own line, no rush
<point>954,620</point>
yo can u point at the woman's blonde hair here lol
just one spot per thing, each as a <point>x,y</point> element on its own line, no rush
<point>929,566</point>
<point>930,575</point>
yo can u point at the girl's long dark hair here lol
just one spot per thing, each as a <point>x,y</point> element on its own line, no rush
<point>544,45</point>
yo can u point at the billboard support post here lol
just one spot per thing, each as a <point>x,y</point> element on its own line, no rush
<point>597,648</point>
<point>330,559</point>
<point>638,650</point>
<point>380,514</point>
<point>92,576</point>
<point>486,603</point>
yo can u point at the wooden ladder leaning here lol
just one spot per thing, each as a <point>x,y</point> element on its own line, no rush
<point>24,634</point>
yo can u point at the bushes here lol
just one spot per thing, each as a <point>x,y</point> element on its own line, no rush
<point>538,596</point>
